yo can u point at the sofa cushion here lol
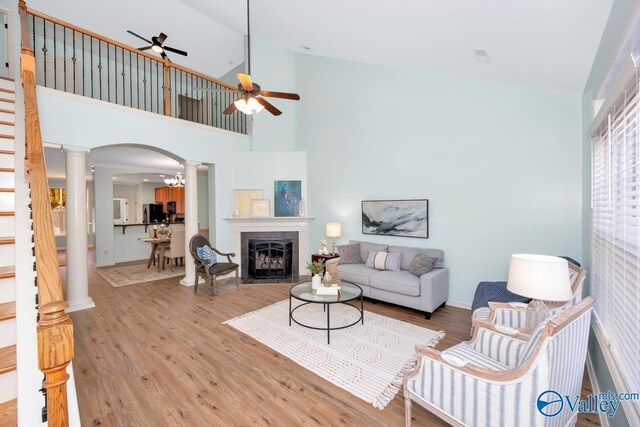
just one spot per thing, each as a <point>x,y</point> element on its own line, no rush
<point>366,247</point>
<point>349,254</point>
<point>384,261</point>
<point>401,282</point>
<point>408,253</point>
<point>422,263</point>
<point>356,273</point>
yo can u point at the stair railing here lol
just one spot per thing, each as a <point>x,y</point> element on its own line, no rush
<point>55,329</point>
<point>79,61</point>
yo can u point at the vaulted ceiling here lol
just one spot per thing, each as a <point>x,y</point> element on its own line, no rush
<point>547,44</point>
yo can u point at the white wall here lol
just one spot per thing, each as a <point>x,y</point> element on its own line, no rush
<point>127,192</point>
<point>69,119</point>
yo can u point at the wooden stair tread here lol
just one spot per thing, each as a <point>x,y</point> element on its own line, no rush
<point>7,359</point>
<point>7,90</point>
<point>7,190</point>
<point>2,110</point>
<point>7,136</point>
<point>7,240</point>
<point>7,78</point>
<point>9,413</point>
<point>12,170</point>
<point>7,213</point>
<point>11,152</point>
<point>7,310</point>
<point>11,101</point>
<point>6,123</point>
<point>7,272</point>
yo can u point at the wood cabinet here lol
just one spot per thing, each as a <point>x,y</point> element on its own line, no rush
<point>171,194</point>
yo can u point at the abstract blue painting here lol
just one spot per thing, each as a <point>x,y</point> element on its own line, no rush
<point>286,198</point>
<point>407,218</point>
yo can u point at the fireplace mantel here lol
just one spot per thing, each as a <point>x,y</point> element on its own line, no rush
<point>273,224</point>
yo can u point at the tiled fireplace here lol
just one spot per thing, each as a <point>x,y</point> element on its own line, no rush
<point>292,233</point>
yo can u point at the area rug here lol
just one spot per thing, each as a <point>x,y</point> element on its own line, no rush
<point>369,361</point>
<point>137,273</point>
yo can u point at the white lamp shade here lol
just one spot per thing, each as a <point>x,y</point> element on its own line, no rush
<point>333,230</point>
<point>540,277</point>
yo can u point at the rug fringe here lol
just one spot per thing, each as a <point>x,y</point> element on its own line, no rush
<point>390,392</point>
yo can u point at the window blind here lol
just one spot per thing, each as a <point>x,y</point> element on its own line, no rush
<point>615,241</point>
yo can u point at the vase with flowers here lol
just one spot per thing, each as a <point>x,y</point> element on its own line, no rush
<point>316,268</point>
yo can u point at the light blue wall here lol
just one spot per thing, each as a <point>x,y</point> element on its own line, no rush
<point>500,164</point>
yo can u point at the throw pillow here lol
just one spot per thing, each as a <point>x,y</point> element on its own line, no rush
<point>207,254</point>
<point>349,254</point>
<point>384,261</point>
<point>422,263</point>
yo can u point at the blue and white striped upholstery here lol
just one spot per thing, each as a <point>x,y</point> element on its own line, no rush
<point>468,355</point>
<point>481,398</point>
<point>481,313</point>
<point>501,348</point>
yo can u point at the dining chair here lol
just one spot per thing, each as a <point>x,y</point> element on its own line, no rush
<point>175,252</point>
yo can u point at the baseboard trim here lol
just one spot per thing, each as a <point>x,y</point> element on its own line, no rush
<point>604,420</point>
<point>459,304</point>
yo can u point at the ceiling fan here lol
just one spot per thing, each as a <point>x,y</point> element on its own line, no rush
<point>156,44</point>
<point>251,100</point>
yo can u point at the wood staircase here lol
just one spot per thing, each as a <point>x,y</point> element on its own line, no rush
<point>8,374</point>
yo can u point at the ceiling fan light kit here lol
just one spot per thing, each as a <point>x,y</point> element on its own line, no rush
<point>248,106</point>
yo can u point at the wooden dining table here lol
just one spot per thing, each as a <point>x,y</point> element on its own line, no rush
<point>158,246</point>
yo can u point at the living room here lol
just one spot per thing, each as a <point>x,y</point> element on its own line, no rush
<point>487,112</point>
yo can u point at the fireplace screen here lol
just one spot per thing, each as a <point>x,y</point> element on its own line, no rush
<point>270,258</point>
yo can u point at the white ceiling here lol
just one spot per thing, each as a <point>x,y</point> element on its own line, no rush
<point>547,44</point>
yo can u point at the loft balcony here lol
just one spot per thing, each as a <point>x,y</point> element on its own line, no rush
<point>78,61</point>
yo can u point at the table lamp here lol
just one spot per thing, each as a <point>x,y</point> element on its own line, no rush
<point>333,230</point>
<point>541,277</point>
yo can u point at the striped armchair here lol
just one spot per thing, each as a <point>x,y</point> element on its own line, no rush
<point>496,379</point>
<point>512,314</point>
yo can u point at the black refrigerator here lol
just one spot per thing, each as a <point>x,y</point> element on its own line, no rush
<point>154,212</point>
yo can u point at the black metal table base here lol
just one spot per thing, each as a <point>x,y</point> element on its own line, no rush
<point>327,308</point>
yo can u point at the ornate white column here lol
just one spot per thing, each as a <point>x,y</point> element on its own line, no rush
<point>76,214</point>
<point>190,217</point>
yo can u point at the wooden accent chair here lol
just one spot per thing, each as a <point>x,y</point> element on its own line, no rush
<point>217,269</point>
<point>514,314</point>
<point>498,377</point>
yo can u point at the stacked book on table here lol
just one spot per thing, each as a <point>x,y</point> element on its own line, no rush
<point>328,290</point>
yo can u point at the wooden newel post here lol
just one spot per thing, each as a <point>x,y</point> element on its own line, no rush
<point>55,351</point>
<point>167,88</point>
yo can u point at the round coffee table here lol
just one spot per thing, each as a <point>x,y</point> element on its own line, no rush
<point>305,293</point>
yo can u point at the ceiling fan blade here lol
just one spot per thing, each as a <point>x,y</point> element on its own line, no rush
<point>144,48</point>
<point>230,109</point>
<point>174,50</point>
<point>283,95</point>
<point>139,36</point>
<point>162,37</point>
<point>245,81</point>
<point>269,107</point>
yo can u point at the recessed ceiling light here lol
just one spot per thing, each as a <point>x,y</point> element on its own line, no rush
<point>162,176</point>
<point>146,180</point>
<point>304,47</point>
<point>482,55</point>
<point>113,177</point>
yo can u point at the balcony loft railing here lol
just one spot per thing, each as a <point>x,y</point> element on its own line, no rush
<point>78,61</point>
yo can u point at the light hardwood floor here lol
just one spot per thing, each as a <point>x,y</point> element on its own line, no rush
<point>156,354</point>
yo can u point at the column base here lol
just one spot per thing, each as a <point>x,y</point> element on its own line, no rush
<point>82,304</point>
<point>186,282</point>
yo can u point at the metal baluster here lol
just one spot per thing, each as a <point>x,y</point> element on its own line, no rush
<point>115,70</point>
<point>124,95</point>
<point>181,94</point>
<point>100,67</point>
<point>91,54</point>
<point>73,60</point>
<point>138,80</point>
<point>108,75</point>
<point>83,76</point>
<point>55,59</point>
<point>44,50</point>
<point>144,81</point>
<point>64,54</point>
<point>130,82</point>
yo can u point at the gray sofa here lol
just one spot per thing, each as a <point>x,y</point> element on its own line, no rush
<point>424,293</point>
